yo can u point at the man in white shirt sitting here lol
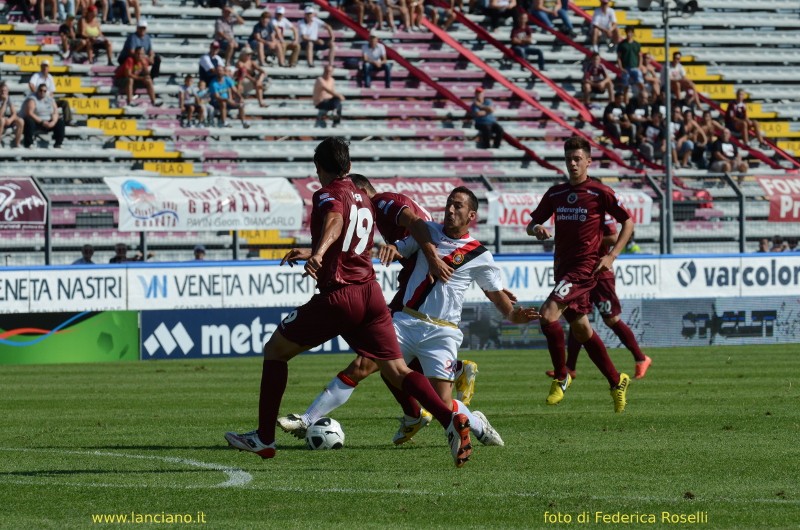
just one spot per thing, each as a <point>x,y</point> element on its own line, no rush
<point>309,34</point>
<point>374,56</point>
<point>604,26</point>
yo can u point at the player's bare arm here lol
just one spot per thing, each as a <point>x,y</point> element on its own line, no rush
<point>331,230</point>
<point>420,232</point>
<point>538,231</point>
<point>295,255</point>
<point>517,315</point>
<point>607,261</point>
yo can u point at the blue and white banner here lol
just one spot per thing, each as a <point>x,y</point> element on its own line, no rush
<point>193,334</point>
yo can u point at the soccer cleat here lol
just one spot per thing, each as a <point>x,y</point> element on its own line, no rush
<point>641,367</point>
<point>410,427</point>
<point>458,438</point>
<point>294,425</point>
<point>250,442</point>
<point>557,389</point>
<point>465,382</point>
<point>552,373</point>
<point>619,392</point>
<point>490,436</point>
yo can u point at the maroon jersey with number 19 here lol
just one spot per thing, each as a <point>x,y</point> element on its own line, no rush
<point>347,261</point>
<point>579,217</point>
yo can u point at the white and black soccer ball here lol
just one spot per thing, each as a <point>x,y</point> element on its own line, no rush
<point>325,433</point>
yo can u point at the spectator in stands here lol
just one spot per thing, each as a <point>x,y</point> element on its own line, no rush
<point>249,76</point>
<point>541,12</point>
<point>652,140</point>
<point>441,16</point>
<point>791,243</point>
<point>140,38</point>
<point>725,157</point>
<point>204,101</point>
<point>710,126</point>
<point>650,76</point>
<point>604,26</point>
<point>40,114</point>
<point>416,12</point>
<point>373,55</point>
<point>629,54</point>
<point>117,11</point>
<point>86,256</point>
<point>737,121</point>
<point>199,253</point>
<point>225,97</point>
<point>134,73</point>
<point>89,29</point>
<point>485,121</point>
<point>283,26</point>
<point>499,11</point>
<point>121,254</point>
<point>223,32</point>
<point>692,141</point>
<point>679,81</point>
<point>43,76</point>
<point>66,8</point>
<point>189,103</point>
<point>763,245</point>
<point>522,41</point>
<point>70,43</point>
<point>8,115</point>
<point>616,120</point>
<point>326,98</point>
<point>53,4</point>
<point>207,67</point>
<point>309,36</point>
<point>396,7</point>
<point>638,111</point>
<point>596,79</point>
<point>778,244</point>
<point>263,39</point>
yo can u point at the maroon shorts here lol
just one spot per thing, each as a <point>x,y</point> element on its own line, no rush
<point>604,297</point>
<point>573,291</point>
<point>356,312</point>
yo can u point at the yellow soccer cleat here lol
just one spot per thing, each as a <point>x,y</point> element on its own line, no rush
<point>619,392</point>
<point>557,390</point>
<point>410,427</point>
<point>465,382</point>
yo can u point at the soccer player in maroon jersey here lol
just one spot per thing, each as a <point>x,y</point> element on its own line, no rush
<point>604,298</point>
<point>396,216</point>
<point>580,207</point>
<point>349,303</point>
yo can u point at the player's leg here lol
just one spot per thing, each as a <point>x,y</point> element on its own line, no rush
<point>334,395</point>
<point>599,355</point>
<point>554,333</point>
<point>605,298</point>
<point>573,350</point>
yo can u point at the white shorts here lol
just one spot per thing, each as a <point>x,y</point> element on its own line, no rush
<point>435,346</point>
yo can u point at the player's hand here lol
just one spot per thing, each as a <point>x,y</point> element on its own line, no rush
<point>439,270</point>
<point>605,264</point>
<point>522,315</point>
<point>387,254</point>
<point>295,255</point>
<point>541,233</point>
<point>313,265</point>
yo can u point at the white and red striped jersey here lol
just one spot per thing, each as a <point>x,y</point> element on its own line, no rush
<point>470,260</point>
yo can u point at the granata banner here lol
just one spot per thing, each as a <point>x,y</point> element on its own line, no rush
<point>21,203</point>
<point>784,198</point>
<point>431,194</point>
<point>209,203</point>
<point>514,209</point>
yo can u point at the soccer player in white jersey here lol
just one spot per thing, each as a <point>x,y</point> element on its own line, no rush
<point>427,326</point>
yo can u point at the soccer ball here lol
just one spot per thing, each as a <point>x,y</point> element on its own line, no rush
<point>325,433</point>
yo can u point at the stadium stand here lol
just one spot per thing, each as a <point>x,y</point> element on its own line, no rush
<point>419,128</point>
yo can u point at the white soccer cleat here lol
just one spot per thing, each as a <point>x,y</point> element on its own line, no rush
<point>490,436</point>
<point>294,425</point>
<point>459,440</point>
<point>251,443</point>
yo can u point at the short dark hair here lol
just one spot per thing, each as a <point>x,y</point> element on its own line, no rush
<point>574,143</point>
<point>473,200</point>
<point>361,182</point>
<point>333,156</point>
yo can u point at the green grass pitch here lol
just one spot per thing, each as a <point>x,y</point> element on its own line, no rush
<point>711,433</point>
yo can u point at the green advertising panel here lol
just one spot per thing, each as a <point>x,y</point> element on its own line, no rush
<point>87,337</point>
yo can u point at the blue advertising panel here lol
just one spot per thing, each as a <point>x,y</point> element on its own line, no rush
<point>206,333</point>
